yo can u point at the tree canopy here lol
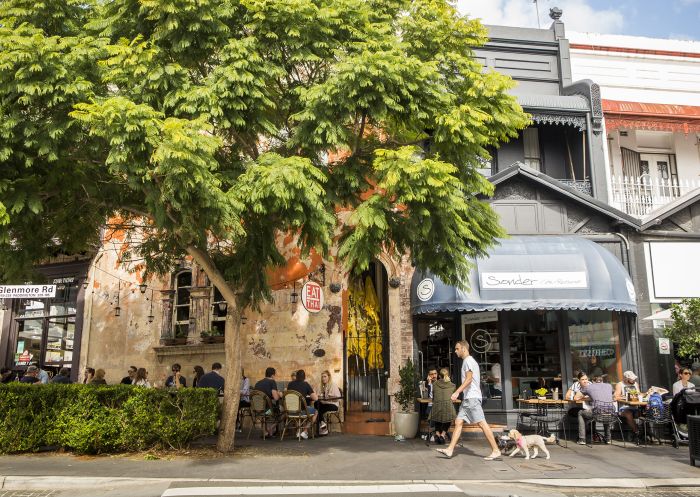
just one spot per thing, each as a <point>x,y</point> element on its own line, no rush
<point>225,122</point>
<point>684,330</point>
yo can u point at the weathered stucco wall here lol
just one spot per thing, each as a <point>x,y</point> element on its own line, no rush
<point>112,342</point>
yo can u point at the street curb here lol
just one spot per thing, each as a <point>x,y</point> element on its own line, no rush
<point>70,482</point>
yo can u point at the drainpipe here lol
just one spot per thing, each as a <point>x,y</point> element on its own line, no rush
<point>635,346</point>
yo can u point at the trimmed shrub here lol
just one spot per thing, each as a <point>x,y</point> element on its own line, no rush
<point>96,419</point>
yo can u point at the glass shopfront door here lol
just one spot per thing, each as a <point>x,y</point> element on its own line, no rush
<point>46,329</point>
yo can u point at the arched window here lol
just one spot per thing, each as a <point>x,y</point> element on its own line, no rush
<point>181,321</point>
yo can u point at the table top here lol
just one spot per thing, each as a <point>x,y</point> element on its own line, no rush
<point>546,401</point>
<point>635,403</point>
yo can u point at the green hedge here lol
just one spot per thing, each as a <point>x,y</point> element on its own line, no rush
<point>94,419</point>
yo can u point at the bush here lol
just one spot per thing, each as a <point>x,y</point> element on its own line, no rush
<point>96,419</point>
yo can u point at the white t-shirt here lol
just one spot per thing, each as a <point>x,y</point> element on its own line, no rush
<point>678,386</point>
<point>473,391</point>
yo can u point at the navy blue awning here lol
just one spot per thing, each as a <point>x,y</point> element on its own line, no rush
<point>533,272</point>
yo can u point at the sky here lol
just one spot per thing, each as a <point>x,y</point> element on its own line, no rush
<point>675,19</point>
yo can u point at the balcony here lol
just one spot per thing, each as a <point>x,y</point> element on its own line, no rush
<point>638,196</point>
<point>580,185</point>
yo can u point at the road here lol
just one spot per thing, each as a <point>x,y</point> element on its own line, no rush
<point>164,488</point>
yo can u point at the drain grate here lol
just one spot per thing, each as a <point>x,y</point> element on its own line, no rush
<point>546,466</point>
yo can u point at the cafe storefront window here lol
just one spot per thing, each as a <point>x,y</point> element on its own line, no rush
<point>595,344</point>
<point>46,328</point>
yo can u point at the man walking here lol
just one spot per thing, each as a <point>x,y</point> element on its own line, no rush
<point>470,411</point>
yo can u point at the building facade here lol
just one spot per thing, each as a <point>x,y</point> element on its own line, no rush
<point>650,91</point>
<point>564,293</point>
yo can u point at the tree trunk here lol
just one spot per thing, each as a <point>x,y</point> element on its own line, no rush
<point>232,385</point>
<point>232,349</point>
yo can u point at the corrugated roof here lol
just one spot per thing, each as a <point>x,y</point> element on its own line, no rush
<point>576,103</point>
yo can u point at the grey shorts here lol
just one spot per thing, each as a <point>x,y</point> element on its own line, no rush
<point>471,412</point>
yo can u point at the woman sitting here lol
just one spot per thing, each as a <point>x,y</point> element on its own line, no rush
<point>443,411</point>
<point>141,378</point>
<point>329,390</point>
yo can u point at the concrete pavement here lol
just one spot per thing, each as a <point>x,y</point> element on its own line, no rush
<point>347,459</point>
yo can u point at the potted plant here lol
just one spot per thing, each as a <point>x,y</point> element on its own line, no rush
<point>406,420</point>
<point>212,336</point>
<point>541,393</point>
<point>180,338</point>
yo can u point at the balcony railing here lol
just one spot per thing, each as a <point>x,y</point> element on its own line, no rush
<point>638,196</point>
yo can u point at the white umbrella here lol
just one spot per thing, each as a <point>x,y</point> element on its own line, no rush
<point>662,315</point>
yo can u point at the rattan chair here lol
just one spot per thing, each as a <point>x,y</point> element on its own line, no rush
<point>296,414</point>
<point>261,411</point>
<point>331,417</point>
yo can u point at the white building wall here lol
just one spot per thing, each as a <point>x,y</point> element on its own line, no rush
<point>635,77</point>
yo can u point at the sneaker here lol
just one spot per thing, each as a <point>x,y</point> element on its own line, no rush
<point>607,441</point>
<point>304,435</point>
<point>581,441</point>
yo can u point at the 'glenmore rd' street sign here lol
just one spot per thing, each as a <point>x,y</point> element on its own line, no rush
<point>27,291</point>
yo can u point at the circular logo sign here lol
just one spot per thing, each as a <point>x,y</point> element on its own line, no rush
<point>426,289</point>
<point>312,296</point>
<point>480,341</point>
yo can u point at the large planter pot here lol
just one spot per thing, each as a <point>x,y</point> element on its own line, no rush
<point>216,339</point>
<point>406,424</point>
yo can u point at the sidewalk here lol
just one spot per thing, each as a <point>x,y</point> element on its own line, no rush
<point>372,459</point>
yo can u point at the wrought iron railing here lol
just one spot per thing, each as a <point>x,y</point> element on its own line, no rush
<point>638,196</point>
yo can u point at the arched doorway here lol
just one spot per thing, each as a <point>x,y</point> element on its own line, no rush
<point>366,342</point>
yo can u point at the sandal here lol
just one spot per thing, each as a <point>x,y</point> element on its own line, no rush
<point>445,453</point>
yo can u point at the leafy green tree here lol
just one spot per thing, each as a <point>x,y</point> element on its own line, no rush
<point>218,124</point>
<point>684,331</point>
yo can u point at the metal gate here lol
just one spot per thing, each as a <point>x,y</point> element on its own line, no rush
<point>367,343</point>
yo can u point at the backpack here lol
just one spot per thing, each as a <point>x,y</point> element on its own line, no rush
<point>656,404</point>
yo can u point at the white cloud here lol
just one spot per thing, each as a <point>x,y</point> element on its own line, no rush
<point>578,14</point>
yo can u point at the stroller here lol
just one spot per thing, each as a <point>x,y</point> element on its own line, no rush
<point>684,403</point>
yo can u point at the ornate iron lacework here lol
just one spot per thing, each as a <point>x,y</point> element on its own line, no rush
<point>581,186</point>
<point>578,122</point>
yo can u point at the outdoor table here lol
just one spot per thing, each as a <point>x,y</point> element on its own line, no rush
<point>544,406</point>
<point>633,403</point>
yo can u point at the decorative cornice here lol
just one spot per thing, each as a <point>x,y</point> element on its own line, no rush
<point>578,122</point>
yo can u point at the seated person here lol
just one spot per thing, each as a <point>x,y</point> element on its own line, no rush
<point>300,385</point>
<point>443,412</point>
<point>329,390</point>
<point>175,380</point>
<point>268,386</point>
<point>494,379</point>
<point>212,379</point>
<point>427,392</point>
<point>684,381</point>
<point>573,390</point>
<point>628,413</point>
<point>596,392</point>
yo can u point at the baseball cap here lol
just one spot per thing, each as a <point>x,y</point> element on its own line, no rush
<point>630,375</point>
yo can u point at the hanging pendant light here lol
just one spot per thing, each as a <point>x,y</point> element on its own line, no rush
<point>151,317</point>
<point>118,310</point>
<point>293,297</point>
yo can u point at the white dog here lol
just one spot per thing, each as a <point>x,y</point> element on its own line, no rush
<point>525,442</point>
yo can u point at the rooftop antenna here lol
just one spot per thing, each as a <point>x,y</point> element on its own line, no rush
<point>537,9</point>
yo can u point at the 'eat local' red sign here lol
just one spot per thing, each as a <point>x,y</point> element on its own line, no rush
<point>312,296</point>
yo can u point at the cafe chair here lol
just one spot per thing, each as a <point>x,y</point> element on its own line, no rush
<point>296,414</point>
<point>261,411</point>
<point>335,417</point>
<point>606,413</point>
<point>658,418</point>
